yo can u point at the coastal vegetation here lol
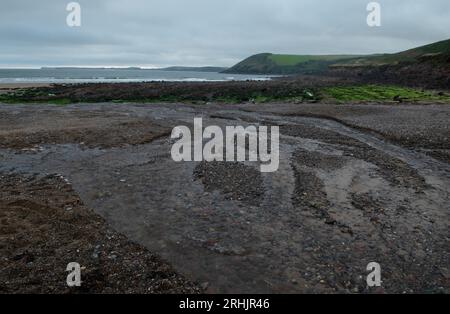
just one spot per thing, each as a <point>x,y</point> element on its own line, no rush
<point>268,63</point>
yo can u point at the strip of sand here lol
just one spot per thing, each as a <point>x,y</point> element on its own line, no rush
<point>4,86</point>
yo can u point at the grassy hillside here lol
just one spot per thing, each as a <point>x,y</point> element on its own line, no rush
<point>411,55</point>
<point>292,60</point>
<point>267,63</point>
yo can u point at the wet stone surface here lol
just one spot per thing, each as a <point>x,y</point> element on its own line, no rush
<point>342,198</point>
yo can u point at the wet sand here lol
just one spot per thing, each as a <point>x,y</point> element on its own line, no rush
<point>22,85</point>
<point>355,185</point>
<point>7,87</point>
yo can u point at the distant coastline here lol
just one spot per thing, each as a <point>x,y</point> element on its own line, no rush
<point>196,69</point>
<point>90,68</point>
<point>211,69</point>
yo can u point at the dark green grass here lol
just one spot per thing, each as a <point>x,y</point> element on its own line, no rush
<point>290,60</point>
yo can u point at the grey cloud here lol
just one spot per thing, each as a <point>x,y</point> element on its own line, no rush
<point>208,32</point>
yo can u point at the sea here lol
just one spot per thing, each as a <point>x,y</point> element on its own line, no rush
<point>109,75</point>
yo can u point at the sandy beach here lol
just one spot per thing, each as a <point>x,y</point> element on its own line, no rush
<point>7,87</point>
<point>22,85</point>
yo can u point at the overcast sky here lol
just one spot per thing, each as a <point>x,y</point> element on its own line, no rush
<point>208,32</point>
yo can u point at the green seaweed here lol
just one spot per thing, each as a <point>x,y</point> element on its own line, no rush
<point>382,93</point>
